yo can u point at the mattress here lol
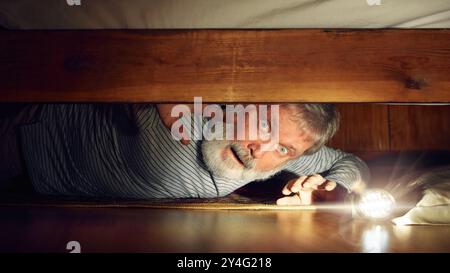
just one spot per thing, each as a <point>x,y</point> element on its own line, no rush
<point>218,14</point>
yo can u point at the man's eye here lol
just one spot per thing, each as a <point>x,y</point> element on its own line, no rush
<point>264,125</point>
<point>283,150</point>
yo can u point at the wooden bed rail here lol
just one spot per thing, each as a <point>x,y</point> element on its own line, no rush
<point>302,65</point>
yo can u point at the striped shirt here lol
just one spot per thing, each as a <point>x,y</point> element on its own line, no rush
<point>125,151</point>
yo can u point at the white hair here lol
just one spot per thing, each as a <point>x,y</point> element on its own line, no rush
<point>321,120</point>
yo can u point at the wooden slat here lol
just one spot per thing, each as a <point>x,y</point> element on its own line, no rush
<point>226,65</point>
<point>420,127</point>
<point>364,127</point>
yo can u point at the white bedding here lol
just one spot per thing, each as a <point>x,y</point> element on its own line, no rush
<point>100,14</point>
<point>434,205</point>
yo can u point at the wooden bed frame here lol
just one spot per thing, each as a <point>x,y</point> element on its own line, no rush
<point>292,65</point>
<point>406,66</point>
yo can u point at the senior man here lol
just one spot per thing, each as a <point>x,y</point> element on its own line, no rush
<point>128,151</point>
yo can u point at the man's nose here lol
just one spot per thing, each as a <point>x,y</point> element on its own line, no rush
<point>255,150</point>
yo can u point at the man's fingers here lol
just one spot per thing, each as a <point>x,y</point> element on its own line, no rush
<point>184,140</point>
<point>305,197</point>
<point>330,185</point>
<point>304,187</point>
<point>183,136</point>
<point>289,200</point>
<point>287,188</point>
<point>313,182</point>
<point>294,185</point>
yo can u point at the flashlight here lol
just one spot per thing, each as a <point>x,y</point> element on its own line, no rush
<point>375,204</point>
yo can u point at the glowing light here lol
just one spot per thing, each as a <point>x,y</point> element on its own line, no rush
<point>375,240</point>
<point>376,203</point>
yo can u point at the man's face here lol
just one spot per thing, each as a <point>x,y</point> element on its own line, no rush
<point>251,160</point>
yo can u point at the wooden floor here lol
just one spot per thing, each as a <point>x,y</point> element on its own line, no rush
<point>41,229</point>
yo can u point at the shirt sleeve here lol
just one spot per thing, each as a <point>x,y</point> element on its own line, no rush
<point>143,115</point>
<point>334,165</point>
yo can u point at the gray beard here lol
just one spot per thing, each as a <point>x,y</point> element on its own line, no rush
<point>228,168</point>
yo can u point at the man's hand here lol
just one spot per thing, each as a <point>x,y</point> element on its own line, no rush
<point>303,188</point>
<point>164,111</point>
